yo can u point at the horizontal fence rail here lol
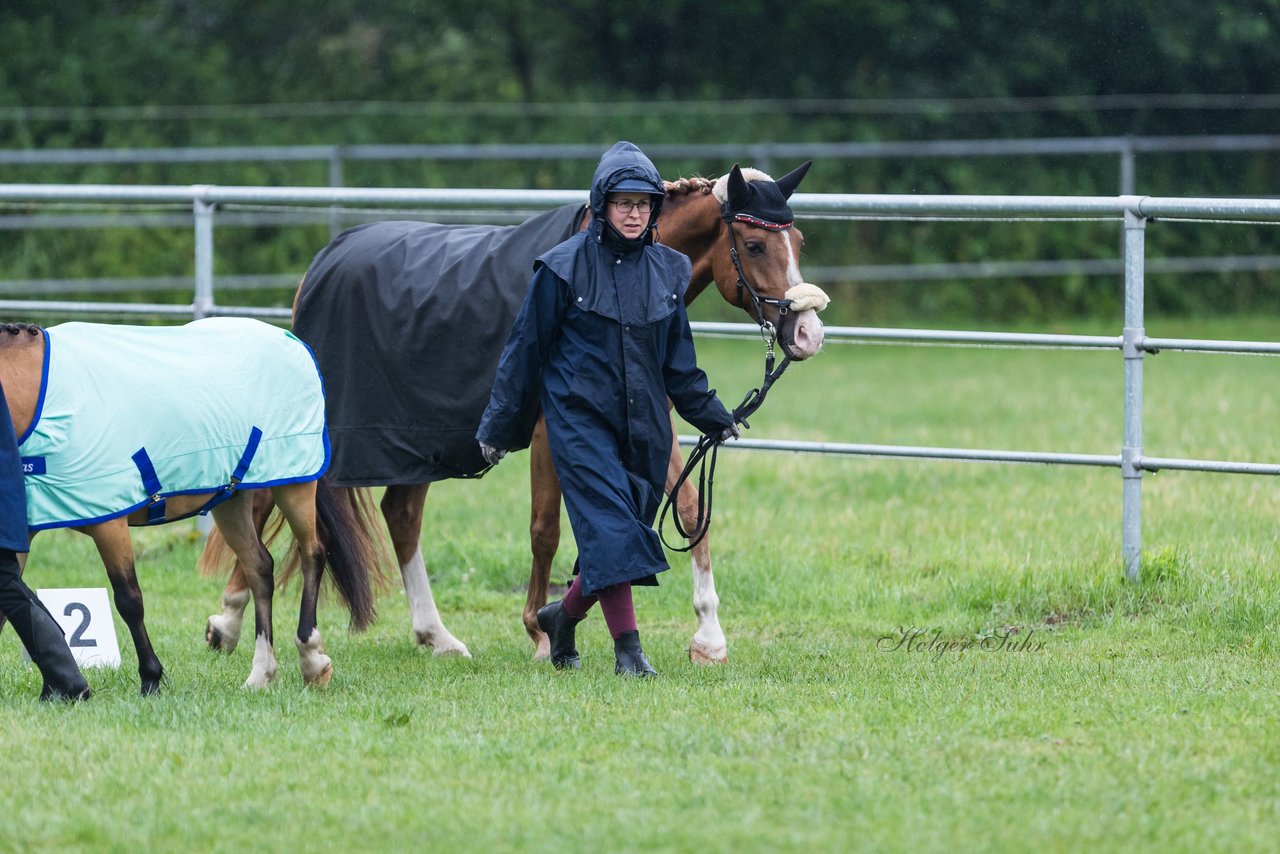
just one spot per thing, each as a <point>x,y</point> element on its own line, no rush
<point>1131,212</point>
<point>763,155</point>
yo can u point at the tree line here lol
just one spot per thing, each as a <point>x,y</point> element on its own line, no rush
<point>581,71</point>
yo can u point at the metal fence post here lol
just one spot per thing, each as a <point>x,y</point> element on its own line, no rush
<point>203,304</point>
<point>1134,332</point>
<point>1127,157</point>
<point>335,180</point>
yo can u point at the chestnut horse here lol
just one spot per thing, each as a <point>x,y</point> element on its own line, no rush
<point>741,258</point>
<point>327,526</point>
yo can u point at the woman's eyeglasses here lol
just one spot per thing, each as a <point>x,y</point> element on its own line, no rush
<point>625,206</point>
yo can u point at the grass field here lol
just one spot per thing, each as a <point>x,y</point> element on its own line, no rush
<point>1086,712</point>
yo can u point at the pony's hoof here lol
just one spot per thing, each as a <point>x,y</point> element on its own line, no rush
<point>542,647</point>
<point>321,679</point>
<point>151,684</point>
<point>701,653</point>
<point>217,638</point>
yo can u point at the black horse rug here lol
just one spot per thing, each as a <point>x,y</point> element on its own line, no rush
<point>407,321</point>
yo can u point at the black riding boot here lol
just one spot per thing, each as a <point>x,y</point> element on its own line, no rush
<point>41,635</point>
<point>560,628</point>
<point>630,657</point>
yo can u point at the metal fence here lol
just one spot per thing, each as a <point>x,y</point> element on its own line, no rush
<point>1124,149</point>
<point>763,155</point>
<point>1132,213</point>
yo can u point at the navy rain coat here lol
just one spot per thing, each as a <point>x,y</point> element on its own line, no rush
<point>603,340</point>
<point>13,495</point>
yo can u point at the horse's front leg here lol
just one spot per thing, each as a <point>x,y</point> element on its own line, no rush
<point>402,508</point>
<point>708,645</point>
<point>116,549</point>
<point>544,534</point>
<point>234,519</point>
<point>222,631</point>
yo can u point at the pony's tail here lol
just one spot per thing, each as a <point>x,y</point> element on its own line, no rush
<point>217,559</point>
<point>346,520</point>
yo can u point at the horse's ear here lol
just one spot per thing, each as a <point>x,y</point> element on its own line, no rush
<point>788,182</point>
<point>738,194</point>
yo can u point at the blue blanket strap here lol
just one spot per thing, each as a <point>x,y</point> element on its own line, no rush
<point>151,483</point>
<point>237,475</point>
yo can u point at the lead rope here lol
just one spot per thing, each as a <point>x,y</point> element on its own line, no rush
<point>709,443</point>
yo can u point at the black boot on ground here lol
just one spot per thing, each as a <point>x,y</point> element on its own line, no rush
<point>48,649</point>
<point>631,660</point>
<point>560,628</point>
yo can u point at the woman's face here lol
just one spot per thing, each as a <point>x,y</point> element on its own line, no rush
<point>631,222</point>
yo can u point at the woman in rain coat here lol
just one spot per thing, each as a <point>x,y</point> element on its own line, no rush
<point>602,341</point>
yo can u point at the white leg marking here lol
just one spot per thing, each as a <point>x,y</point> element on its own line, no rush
<point>428,629</point>
<point>317,668</point>
<point>228,624</point>
<point>709,645</point>
<point>264,665</point>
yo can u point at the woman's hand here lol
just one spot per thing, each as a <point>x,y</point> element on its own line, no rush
<point>492,455</point>
<point>730,432</point>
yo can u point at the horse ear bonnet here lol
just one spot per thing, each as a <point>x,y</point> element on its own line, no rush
<point>762,203</point>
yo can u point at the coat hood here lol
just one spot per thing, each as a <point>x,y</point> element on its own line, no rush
<point>624,167</point>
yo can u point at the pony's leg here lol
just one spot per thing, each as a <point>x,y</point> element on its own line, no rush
<point>544,534</point>
<point>234,519</point>
<point>222,631</point>
<point>116,549</point>
<point>708,645</point>
<point>297,502</point>
<point>402,508</point>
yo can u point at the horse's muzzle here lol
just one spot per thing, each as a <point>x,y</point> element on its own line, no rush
<point>801,334</point>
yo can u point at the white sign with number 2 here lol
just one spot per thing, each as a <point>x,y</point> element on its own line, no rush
<point>84,613</point>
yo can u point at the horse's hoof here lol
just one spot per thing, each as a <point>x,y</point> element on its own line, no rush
<point>321,679</point>
<point>216,639</point>
<point>442,644</point>
<point>259,681</point>
<point>457,648</point>
<point>700,653</point>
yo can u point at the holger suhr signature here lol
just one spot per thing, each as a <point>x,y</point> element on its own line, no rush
<point>931,642</point>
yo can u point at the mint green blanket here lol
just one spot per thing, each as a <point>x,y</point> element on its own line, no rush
<point>132,414</point>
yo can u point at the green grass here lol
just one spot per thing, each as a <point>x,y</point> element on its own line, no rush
<point>1144,716</point>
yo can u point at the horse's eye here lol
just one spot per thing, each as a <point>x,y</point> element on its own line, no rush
<point>755,247</point>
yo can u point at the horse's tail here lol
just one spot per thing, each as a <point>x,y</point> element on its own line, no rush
<point>347,521</point>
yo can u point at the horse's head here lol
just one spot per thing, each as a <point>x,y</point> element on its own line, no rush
<point>756,264</point>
